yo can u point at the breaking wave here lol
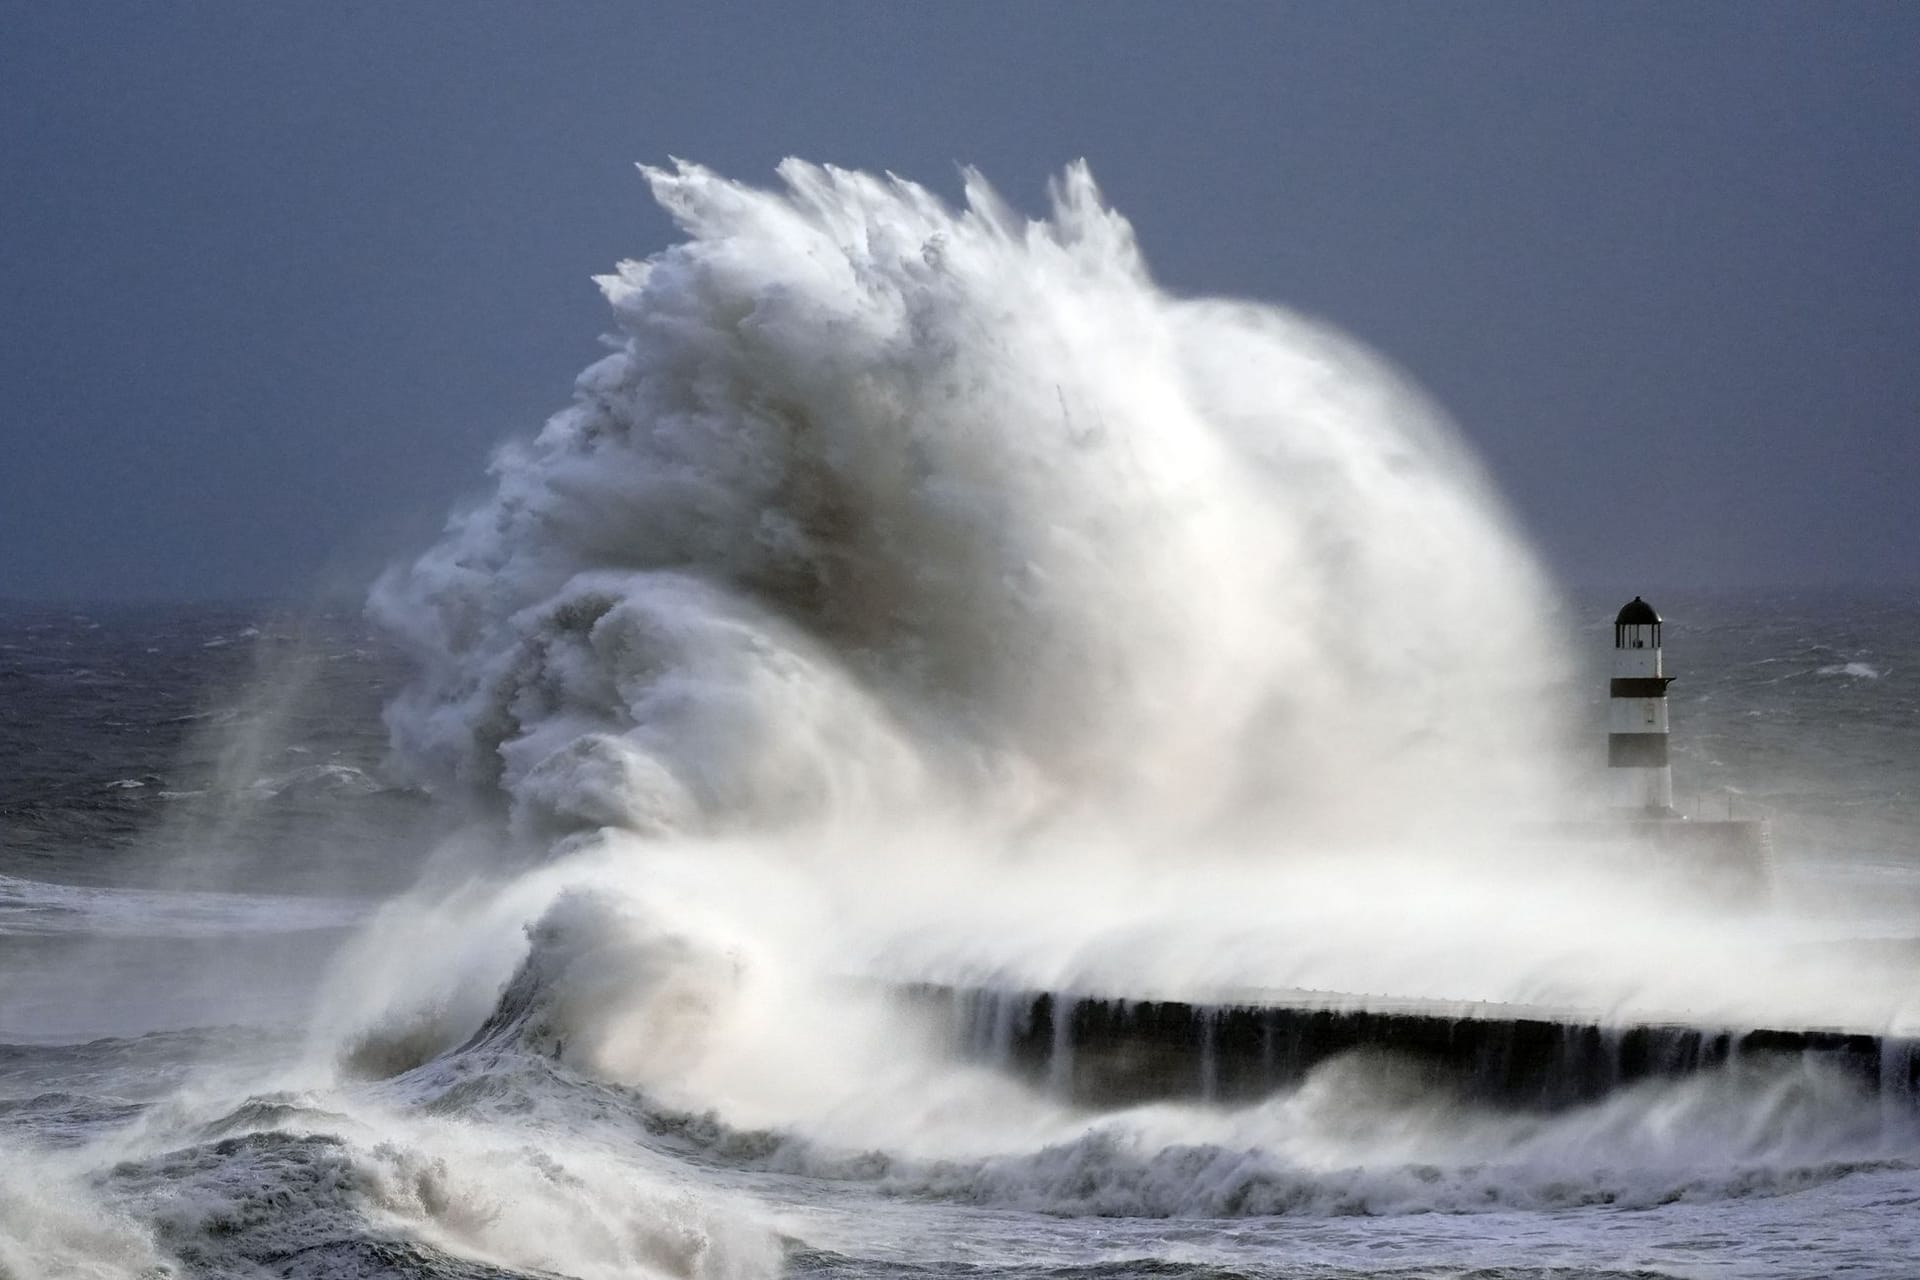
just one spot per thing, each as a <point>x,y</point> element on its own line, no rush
<point>883,508</point>
<point>908,573</point>
<point>917,586</point>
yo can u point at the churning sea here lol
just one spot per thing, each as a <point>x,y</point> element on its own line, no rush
<point>195,821</point>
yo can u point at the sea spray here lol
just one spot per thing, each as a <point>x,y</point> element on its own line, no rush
<point>920,592</point>
<point>999,618</point>
<point>881,508</point>
<point>903,561</point>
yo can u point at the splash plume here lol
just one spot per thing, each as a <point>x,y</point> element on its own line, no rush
<point>923,598</point>
<point>882,508</point>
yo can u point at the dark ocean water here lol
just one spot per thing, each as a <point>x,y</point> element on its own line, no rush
<point>195,821</point>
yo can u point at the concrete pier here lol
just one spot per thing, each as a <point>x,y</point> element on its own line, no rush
<point>1109,1052</point>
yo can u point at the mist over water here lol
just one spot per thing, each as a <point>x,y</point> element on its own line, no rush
<point>922,593</point>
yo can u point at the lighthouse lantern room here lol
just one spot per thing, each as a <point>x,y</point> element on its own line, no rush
<point>1637,715</point>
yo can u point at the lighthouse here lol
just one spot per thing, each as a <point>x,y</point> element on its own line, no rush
<point>1637,715</point>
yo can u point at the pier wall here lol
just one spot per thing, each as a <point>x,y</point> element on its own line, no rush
<point>1109,1052</point>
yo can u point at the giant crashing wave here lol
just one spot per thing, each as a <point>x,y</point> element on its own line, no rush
<point>920,578</point>
<point>882,510</point>
<point>882,515</point>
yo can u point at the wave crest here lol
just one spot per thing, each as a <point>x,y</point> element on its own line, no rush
<point>881,506</point>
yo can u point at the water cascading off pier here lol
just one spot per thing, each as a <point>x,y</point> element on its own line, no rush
<point>1104,1052</point>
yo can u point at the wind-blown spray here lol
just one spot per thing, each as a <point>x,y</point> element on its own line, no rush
<point>922,592</point>
<point>881,508</point>
<point>917,587</point>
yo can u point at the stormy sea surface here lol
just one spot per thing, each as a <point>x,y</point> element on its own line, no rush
<point>921,595</point>
<point>171,907</point>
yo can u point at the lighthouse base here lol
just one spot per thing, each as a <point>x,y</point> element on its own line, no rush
<point>1729,861</point>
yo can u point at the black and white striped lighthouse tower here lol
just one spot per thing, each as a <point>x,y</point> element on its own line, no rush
<point>1637,715</point>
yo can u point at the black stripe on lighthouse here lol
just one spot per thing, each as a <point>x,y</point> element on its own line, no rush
<point>1634,750</point>
<point>1639,686</point>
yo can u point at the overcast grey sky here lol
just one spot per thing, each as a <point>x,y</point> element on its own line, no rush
<point>276,276</point>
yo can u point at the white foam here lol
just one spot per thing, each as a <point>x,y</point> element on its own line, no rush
<point>881,506</point>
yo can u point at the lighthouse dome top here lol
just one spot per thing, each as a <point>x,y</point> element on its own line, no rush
<point>1636,613</point>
